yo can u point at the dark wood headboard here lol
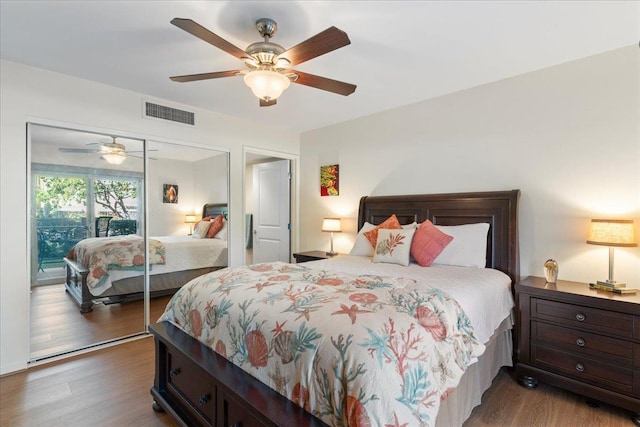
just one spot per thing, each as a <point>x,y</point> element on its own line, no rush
<point>497,208</point>
<point>215,209</point>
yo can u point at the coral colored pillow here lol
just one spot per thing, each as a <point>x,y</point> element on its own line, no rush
<point>214,227</point>
<point>206,218</point>
<point>428,242</point>
<point>389,223</point>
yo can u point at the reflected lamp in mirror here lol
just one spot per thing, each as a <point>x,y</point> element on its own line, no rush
<point>190,219</point>
<point>612,233</point>
<point>331,225</point>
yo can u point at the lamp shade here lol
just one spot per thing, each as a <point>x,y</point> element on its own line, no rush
<point>612,232</point>
<point>331,224</point>
<point>190,219</point>
<point>265,84</point>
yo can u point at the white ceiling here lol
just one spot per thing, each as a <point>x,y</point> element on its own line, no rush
<point>400,52</point>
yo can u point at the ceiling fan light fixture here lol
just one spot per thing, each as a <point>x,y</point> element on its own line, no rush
<point>114,158</point>
<point>266,84</point>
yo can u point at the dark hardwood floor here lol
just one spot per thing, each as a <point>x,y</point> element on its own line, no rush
<point>58,327</point>
<point>110,386</point>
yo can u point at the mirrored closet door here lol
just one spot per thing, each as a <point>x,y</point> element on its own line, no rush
<point>91,200</point>
<point>84,187</point>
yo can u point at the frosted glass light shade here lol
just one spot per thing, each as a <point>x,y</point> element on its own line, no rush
<point>114,158</point>
<point>265,84</point>
<point>190,219</point>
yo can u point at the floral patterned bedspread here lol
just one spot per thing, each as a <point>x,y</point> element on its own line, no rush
<point>352,350</point>
<point>101,254</point>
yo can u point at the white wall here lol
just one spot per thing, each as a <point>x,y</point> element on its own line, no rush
<point>167,219</point>
<point>36,95</point>
<point>568,137</point>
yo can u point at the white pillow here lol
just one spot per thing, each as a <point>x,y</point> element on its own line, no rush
<point>362,247</point>
<point>394,245</point>
<point>222,234</point>
<point>201,229</point>
<point>468,247</point>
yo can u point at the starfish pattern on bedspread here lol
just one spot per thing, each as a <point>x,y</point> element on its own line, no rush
<point>352,350</point>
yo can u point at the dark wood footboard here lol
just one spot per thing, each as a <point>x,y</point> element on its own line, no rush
<point>76,284</point>
<point>198,387</point>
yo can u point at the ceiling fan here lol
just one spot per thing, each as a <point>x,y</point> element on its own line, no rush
<point>113,152</point>
<point>269,65</point>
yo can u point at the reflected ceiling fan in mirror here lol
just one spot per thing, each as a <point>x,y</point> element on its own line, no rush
<point>269,65</point>
<point>112,152</point>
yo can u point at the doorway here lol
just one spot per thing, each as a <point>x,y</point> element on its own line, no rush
<point>270,205</point>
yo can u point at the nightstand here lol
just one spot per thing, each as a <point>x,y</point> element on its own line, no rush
<point>583,340</point>
<point>311,256</point>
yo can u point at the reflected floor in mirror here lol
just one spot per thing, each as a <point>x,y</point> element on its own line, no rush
<point>58,327</point>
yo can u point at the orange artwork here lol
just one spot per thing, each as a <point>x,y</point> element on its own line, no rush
<point>170,193</point>
<point>329,180</point>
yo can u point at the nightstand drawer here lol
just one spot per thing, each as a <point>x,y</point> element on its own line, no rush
<point>588,318</point>
<point>606,349</point>
<point>590,371</point>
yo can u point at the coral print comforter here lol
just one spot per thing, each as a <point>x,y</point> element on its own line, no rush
<point>101,254</point>
<point>352,350</point>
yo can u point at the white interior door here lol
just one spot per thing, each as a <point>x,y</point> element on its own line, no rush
<point>271,206</point>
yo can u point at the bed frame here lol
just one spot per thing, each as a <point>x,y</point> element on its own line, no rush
<point>198,387</point>
<point>76,276</point>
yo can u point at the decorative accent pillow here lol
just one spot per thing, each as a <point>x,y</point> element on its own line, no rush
<point>468,247</point>
<point>393,245</point>
<point>215,226</point>
<point>222,234</point>
<point>206,218</point>
<point>390,223</point>
<point>428,242</point>
<point>200,230</point>
<point>361,246</point>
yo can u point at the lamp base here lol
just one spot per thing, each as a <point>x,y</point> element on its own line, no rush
<point>331,253</point>
<point>611,283</point>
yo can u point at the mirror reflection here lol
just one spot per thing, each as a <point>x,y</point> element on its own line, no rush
<point>87,232</point>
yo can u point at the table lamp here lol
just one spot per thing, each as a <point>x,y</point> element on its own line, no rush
<point>331,225</point>
<point>612,233</point>
<point>190,219</point>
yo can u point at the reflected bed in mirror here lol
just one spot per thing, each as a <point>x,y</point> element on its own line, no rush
<point>111,269</point>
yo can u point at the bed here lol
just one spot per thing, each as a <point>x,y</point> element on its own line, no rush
<point>232,368</point>
<point>175,260</point>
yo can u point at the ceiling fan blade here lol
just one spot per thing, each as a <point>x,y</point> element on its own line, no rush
<point>335,86</point>
<point>204,76</point>
<point>78,150</point>
<point>269,103</point>
<point>202,33</point>
<point>330,39</point>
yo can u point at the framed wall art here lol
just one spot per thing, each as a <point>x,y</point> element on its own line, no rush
<point>170,193</point>
<point>329,180</point>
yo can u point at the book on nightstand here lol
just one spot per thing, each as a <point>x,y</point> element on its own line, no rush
<point>617,289</point>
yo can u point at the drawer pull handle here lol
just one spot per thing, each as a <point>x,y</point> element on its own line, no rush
<point>580,367</point>
<point>580,317</point>
<point>580,342</point>
<point>174,372</point>
<point>204,398</point>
